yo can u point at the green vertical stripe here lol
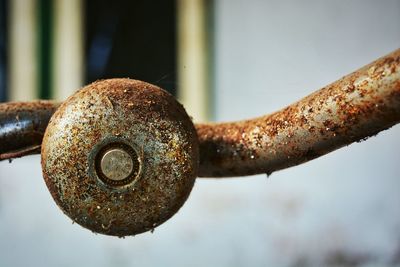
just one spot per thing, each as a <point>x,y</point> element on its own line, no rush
<point>210,37</point>
<point>45,48</point>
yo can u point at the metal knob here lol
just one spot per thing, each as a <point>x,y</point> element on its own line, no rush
<point>120,156</point>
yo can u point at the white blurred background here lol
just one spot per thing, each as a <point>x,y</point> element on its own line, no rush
<point>342,209</point>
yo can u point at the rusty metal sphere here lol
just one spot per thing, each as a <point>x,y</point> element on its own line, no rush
<point>120,156</point>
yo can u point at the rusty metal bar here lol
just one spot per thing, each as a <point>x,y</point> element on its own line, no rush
<point>351,109</point>
<point>22,125</point>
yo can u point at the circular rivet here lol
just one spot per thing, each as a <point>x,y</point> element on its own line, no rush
<point>116,164</point>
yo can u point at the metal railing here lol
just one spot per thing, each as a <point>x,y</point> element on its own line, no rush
<point>351,109</point>
<point>120,156</point>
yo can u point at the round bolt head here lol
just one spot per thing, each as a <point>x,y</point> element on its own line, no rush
<point>116,164</point>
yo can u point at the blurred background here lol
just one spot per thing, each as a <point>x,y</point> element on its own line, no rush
<point>224,60</point>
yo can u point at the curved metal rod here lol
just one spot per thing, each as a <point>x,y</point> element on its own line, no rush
<point>22,126</point>
<point>353,108</point>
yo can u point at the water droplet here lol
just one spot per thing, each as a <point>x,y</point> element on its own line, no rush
<point>252,156</point>
<point>98,207</point>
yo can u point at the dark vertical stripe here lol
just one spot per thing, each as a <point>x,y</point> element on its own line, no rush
<point>3,50</point>
<point>135,39</point>
<point>45,48</point>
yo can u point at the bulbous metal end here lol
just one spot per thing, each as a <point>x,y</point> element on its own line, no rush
<point>120,156</point>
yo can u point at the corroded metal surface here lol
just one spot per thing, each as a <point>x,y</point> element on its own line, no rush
<point>348,110</point>
<point>120,113</point>
<point>147,124</point>
<point>351,109</point>
<point>22,125</point>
